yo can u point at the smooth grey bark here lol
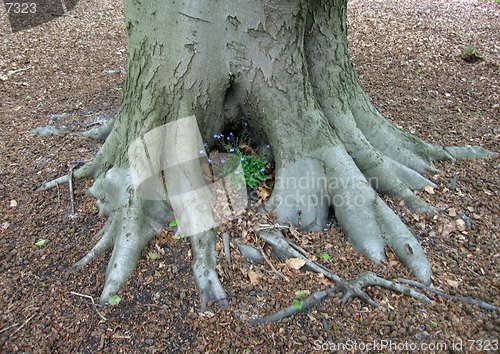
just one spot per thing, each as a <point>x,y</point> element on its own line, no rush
<point>283,67</point>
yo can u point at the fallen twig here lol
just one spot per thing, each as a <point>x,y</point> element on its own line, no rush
<point>24,324</point>
<point>121,71</point>
<point>324,322</point>
<point>93,303</point>
<point>468,300</point>
<point>8,327</point>
<point>6,76</point>
<point>226,239</point>
<point>271,265</point>
<point>70,182</point>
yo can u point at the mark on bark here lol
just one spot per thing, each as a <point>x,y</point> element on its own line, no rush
<point>194,18</point>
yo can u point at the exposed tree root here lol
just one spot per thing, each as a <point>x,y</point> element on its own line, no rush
<point>89,169</point>
<point>351,288</point>
<point>469,152</point>
<point>132,223</point>
<point>468,300</point>
<point>307,304</point>
<point>205,274</point>
<point>390,159</point>
<point>99,133</point>
<point>80,173</point>
<point>284,249</point>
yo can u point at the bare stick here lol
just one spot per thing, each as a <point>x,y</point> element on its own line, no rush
<point>6,76</point>
<point>93,303</point>
<point>227,247</point>
<point>6,328</point>
<point>70,182</point>
<point>24,324</point>
<point>468,300</point>
<point>71,196</point>
<point>58,195</point>
<point>271,265</point>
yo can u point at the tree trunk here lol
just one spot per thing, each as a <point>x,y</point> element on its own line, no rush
<point>283,68</point>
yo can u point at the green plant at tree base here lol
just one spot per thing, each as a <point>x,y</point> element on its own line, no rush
<point>114,300</point>
<point>253,166</point>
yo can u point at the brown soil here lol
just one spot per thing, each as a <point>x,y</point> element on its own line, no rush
<point>407,54</point>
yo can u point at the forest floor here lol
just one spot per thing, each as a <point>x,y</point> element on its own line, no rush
<point>407,55</point>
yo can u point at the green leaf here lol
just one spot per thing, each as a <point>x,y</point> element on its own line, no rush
<point>177,236</point>
<point>153,255</point>
<point>173,223</point>
<point>114,300</point>
<point>300,295</point>
<point>324,256</point>
<point>41,243</point>
<point>297,304</point>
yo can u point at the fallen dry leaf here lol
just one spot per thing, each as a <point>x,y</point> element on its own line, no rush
<point>323,280</point>
<point>264,193</point>
<point>429,189</point>
<point>254,277</point>
<point>392,263</point>
<point>295,263</point>
<point>448,228</point>
<point>460,224</point>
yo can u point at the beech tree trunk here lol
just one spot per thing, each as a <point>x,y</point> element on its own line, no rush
<point>283,68</point>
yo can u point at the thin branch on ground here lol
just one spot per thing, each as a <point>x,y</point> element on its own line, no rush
<point>270,227</point>
<point>93,303</point>
<point>24,324</point>
<point>71,194</point>
<point>8,327</point>
<point>163,307</point>
<point>324,322</point>
<point>468,300</point>
<point>271,265</point>
<point>226,239</point>
<point>6,76</point>
<point>58,195</point>
<point>70,182</point>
